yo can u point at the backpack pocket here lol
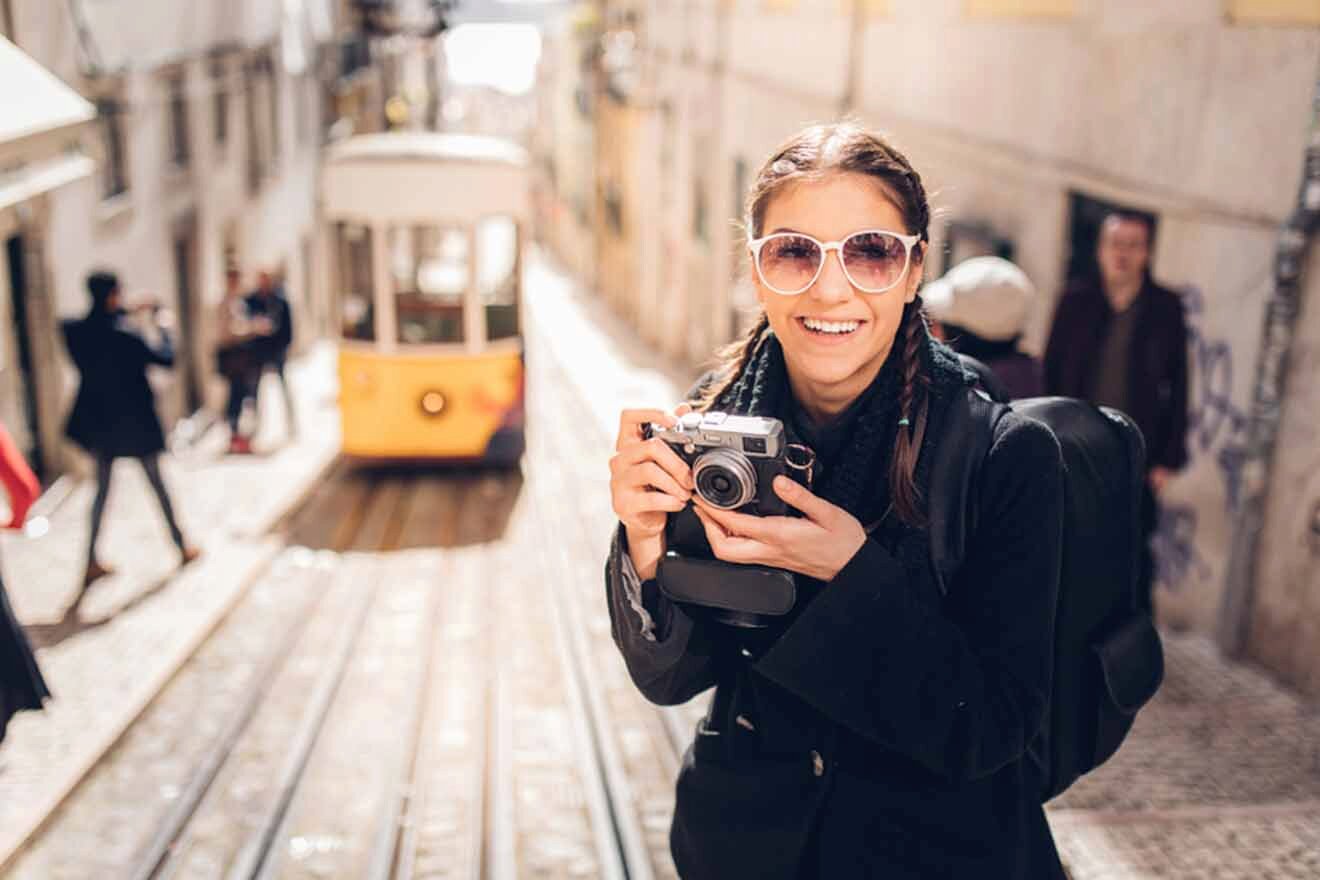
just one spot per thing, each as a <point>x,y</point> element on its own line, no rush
<point>1130,666</point>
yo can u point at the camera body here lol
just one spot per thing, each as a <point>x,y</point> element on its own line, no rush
<point>734,461</point>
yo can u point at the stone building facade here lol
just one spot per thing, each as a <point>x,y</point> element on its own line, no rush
<point>206,147</point>
<point>1026,119</point>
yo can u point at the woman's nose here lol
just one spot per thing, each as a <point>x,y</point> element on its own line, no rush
<point>833,284</point>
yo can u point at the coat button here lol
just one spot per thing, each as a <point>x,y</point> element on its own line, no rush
<point>817,763</point>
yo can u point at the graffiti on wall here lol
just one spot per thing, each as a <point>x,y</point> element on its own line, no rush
<point>1216,426</point>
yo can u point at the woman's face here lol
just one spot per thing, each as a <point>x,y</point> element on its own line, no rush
<point>836,366</point>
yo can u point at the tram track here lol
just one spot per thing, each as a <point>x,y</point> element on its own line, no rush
<point>640,745</point>
<point>438,697</point>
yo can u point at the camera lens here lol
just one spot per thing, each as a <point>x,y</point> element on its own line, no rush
<point>724,478</point>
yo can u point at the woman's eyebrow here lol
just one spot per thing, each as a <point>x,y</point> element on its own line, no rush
<point>786,229</point>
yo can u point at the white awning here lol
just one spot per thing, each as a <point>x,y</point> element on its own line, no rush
<point>34,179</point>
<point>39,114</point>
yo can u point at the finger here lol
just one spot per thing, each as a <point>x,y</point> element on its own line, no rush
<point>761,528</point>
<point>682,409</point>
<point>659,451</point>
<point>631,421</point>
<point>734,548</point>
<point>795,494</point>
<point>642,502</point>
<point>648,473</point>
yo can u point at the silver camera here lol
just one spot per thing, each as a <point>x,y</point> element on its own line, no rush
<point>734,459</point>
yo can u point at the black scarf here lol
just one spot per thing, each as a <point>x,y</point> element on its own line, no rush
<point>857,479</point>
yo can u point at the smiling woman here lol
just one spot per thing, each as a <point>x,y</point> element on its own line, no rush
<point>879,728</point>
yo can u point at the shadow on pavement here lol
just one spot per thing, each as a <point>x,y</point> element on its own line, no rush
<point>366,508</point>
<point>72,623</point>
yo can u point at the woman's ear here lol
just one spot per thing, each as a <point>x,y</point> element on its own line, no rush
<point>916,271</point>
<point>915,274</point>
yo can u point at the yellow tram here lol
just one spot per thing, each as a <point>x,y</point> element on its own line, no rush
<point>425,232</point>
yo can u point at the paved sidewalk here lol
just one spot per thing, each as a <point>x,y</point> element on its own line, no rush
<point>105,653</point>
<point>1220,777</point>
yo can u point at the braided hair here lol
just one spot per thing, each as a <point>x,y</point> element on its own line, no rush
<point>812,154</point>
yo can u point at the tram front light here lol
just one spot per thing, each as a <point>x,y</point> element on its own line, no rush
<point>433,403</point>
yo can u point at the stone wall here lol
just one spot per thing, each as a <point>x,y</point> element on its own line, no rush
<point>1172,108</point>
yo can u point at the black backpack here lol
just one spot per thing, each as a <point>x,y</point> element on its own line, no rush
<point>1108,661</point>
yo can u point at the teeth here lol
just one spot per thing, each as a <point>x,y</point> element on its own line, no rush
<point>831,326</point>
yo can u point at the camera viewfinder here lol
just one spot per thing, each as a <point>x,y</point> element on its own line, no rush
<point>754,444</point>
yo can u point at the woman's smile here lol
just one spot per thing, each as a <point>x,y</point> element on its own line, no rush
<point>830,331</point>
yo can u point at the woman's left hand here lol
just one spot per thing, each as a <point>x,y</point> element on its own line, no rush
<point>817,544</point>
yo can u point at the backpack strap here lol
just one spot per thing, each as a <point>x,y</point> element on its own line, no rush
<point>967,432</point>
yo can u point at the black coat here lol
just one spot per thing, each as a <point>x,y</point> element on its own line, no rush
<point>274,307</point>
<point>1157,369</point>
<point>114,413</point>
<point>884,733</point>
<point>21,684</point>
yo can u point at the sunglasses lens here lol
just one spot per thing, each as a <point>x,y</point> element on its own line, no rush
<point>874,260</point>
<point>789,262</point>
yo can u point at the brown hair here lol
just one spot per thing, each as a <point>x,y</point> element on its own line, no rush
<point>812,154</point>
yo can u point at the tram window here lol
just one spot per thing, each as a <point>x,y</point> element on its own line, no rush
<point>497,275</point>
<point>431,267</point>
<point>357,318</point>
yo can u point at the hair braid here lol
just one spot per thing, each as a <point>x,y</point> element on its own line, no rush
<point>911,403</point>
<point>733,358</point>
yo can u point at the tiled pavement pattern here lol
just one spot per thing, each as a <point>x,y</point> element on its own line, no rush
<point>107,652</point>
<point>1220,777</point>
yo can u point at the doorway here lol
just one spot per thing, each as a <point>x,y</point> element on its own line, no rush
<point>25,360</point>
<point>1085,216</point>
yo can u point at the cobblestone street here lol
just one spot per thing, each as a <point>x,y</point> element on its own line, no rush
<point>388,672</point>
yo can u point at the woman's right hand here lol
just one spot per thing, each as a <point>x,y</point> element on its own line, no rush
<point>648,481</point>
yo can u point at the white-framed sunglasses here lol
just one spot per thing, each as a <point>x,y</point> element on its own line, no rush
<point>874,260</point>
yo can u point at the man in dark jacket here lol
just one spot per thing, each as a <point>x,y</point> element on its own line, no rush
<point>269,305</point>
<point>1121,340</point>
<point>114,413</point>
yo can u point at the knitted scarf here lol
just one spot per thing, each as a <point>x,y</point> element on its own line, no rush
<point>858,481</point>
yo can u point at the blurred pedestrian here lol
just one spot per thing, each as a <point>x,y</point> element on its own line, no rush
<point>114,413</point>
<point>238,357</point>
<point>269,304</point>
<point>980,308</point>
<point>21,684</point>
<point>1120,339</point>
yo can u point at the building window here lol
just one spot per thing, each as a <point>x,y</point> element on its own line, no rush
<point>115,168</point>
<point>273,87</point>
<point>1277,12</point>
<point>614,208</point>
<point>178,101</point>
<point>255,167</point>
<point>220,103</point>
<point>700,224</point>
<point>739,207</point>
<point>301,121</point>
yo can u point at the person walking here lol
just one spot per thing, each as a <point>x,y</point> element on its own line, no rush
<point>980,308</point>
<point>114,412</point>
<point>21,684</point>
<point>238,358</point>
<point>269,304</point>
<point>1119,339</point>
<point>878,729</point>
